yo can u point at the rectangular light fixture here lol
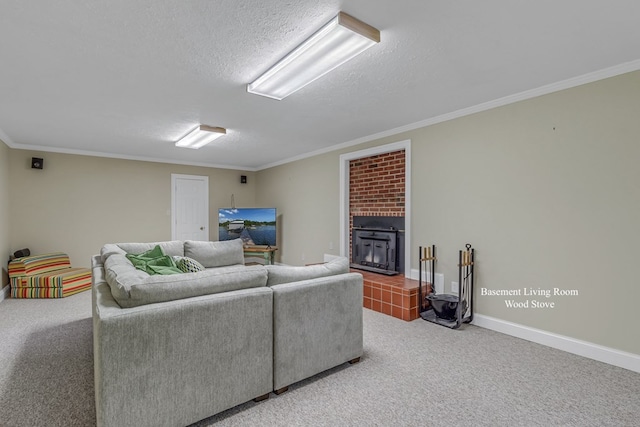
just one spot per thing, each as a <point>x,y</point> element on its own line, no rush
<point>341,39</point>
<point>200,136</point>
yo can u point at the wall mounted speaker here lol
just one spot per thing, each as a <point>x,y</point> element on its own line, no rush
<point>243,179</point>
<point>37,163</point>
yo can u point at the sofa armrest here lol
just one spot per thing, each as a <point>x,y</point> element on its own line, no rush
<point>174,363</point>
<point>317,325</point>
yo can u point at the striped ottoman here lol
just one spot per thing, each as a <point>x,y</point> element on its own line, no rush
<point>47,276</point>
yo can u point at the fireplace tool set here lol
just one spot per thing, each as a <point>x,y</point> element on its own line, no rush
<point>448,310</point>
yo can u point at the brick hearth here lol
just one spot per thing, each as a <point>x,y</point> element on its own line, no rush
<point>396,296</point>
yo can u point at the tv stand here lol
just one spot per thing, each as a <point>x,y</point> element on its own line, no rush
<point>267,252</point>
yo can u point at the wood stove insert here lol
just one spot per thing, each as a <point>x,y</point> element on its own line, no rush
<point>374,249</point>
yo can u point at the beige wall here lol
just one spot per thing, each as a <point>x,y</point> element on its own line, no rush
<point>78,203</point>
<point>305,194</point>
<point>546,190</point>
<point>5,245</point>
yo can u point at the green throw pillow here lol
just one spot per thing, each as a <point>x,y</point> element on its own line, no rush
<point>189,265</point>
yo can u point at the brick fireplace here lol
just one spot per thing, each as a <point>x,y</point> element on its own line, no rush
<point>377,191</point>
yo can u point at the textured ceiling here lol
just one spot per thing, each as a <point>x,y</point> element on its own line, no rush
<point>127,78</point>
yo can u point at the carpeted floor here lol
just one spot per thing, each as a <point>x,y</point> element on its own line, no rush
<point>412,374</point>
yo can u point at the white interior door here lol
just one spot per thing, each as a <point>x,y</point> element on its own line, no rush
<point>189,207</point>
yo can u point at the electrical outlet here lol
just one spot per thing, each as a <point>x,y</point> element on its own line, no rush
<point>302,256</point>
<point>330,245</point>
<point>454,287</point>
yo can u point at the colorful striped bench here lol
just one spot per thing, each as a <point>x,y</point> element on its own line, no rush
<point>47,276</point>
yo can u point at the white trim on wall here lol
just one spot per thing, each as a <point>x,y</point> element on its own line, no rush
<point>597,75</point>
<point>4,293</point>
<point>602,74</point>
<point>586,349</point>
<point>344,194</point>
<point>571,345</point>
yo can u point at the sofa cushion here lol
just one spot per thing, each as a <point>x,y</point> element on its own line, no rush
<point>111,249</point>
<point>168,288</point>
<point>131,287</point>
<point>215,254</point>
<point>285,274</point>
<point>171,248</point>
<point>120,274</point>
<point>38,264</point>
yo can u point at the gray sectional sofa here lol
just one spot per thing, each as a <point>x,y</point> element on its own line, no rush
<point>170,350</point>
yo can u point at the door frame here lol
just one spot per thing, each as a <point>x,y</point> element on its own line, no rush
<point>174,178</point>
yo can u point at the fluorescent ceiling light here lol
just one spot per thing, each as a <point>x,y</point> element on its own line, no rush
<point>200,136</point>
<point>341,39</point>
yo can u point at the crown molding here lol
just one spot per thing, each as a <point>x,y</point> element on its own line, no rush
<point>124,157</point>
<point>605,73</point>
<point>5,138</point>
<point>510,99</point>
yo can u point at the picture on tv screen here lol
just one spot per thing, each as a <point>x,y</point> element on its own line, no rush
<point>255,226</point>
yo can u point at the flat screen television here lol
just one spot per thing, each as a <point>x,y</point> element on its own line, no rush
<point>255,226</point>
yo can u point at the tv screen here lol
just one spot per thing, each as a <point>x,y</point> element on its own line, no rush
<point>255,226</point>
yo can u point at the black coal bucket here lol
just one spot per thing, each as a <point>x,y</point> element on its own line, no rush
<point>445,305</point>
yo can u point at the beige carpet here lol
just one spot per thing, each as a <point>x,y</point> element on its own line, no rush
<point>412,374</point>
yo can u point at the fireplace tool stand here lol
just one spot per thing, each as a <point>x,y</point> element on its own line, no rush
<point>448,310</point>
<point>426,271</point>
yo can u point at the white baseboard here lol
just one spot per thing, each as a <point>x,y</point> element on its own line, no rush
<point>597,352</point>
<point>4,293</point>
